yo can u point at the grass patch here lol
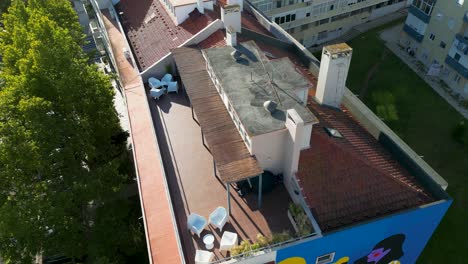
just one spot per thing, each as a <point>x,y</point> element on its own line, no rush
<point>427,123</point>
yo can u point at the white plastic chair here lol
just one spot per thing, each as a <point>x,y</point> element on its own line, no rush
<point>203,257</point>
<point>172,87</point>
<point>219,217</point>
<point>196,223</point>
<point>167,78</point>
<point>228,241</point>
<point>155,83</point>
<point>156,93</point>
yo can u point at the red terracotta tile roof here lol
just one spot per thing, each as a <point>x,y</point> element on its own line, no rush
<point>214,40</point>
<point>153,40</point>
<point>352,179</point>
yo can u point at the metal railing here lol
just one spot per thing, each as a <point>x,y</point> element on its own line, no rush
<point>267,249</point>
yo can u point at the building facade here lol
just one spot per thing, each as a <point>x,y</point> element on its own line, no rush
<point>318,21</point>
<point>435,32</point>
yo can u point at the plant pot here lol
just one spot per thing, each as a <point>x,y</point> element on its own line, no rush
<point>293,222</point>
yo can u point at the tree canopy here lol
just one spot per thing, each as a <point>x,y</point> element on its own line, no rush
<point>60,162</point>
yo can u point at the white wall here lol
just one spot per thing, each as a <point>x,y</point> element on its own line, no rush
<point>269,150</point>
<point>306,139</point>
<point>453,50</point>
<point>387,10</point>
<point>182,12</point>
<point>264,258</point>
<point>416,24</point>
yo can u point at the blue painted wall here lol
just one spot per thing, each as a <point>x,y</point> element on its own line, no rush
<point>357,242</point>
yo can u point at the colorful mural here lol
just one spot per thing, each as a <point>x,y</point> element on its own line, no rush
<point>394,239</point>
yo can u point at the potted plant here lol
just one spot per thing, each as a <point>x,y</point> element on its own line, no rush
<point>299,220</point>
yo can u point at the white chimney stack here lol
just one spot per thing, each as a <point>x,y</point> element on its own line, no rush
<point>231,17</point>
<point>334,68</point>
<point>200,6</point>
<point>231,37</point>
<point>236,2</point>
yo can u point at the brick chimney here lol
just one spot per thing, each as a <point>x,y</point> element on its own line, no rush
<point>334,68</point>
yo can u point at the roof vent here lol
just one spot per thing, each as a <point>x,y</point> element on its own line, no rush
<point>333,132</point>
<point>270,106</point>
<point>236,55</point>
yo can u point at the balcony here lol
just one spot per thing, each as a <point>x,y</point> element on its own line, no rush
<point>457,66</point>
<point>413,33</point>
<point>419,14</point>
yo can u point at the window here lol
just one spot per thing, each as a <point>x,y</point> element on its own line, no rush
<point>304,27</point>
<point>308,14</point>
<point>432,36</point>
<point>278,4</point>
<point>333,132</point>
<point>332,7</point>
<point>277,20</point>
<point>328,258</point>
<point>293,17</point>
<point>288,18</point>
<point>322,35</point>
<point>443,44</point>
<point>282,20</point>
<point>457,57</point>
<point>291,2</point>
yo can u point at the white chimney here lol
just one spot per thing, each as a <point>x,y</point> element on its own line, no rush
<point>200,6</point>
<point>236,2</point>
<point>334,68</point>
<point>231,17</point>
<point>231,37</point>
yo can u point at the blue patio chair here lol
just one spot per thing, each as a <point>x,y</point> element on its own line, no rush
<point>219,217</point>
<point>156,93</point>
<point>155,83</point>
<point>196,223</point>
<point>167,78</point>
<point>172,87</point>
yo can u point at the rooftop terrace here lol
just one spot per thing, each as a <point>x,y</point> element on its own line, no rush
<point>195,189</point>
<point>253,79</point>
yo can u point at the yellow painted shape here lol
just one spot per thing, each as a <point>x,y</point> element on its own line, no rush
<point>395,262</point>
<point>293,260</point>
<point>343,260</point>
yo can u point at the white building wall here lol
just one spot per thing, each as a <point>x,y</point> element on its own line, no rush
<point>463,58</point>
<point>269,149</point>
<point>376,13</point>
<point>416,24</point>
<point>182,12</point>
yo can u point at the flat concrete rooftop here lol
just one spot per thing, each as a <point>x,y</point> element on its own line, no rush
<point>247,85</point>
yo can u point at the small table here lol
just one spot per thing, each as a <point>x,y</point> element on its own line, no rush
<point>209,241</point>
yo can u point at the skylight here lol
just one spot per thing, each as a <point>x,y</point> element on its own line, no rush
<point>333,132</point>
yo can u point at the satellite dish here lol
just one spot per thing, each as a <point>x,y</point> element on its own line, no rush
<point>270,106</point>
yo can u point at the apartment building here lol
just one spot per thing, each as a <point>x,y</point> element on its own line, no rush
<point>313,22</point>
<point>435,32</point>
<point>253,100</point>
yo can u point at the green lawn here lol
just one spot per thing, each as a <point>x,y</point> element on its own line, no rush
<point>426,122</point>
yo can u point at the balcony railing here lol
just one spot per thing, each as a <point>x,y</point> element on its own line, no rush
<point>457,66</point>
<point>413,33</point>
<point>419,14</point>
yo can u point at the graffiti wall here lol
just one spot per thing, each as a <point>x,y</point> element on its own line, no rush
<point>397,239</point>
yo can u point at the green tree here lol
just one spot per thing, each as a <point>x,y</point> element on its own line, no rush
<point>61,147</point>
<point>4,4</point>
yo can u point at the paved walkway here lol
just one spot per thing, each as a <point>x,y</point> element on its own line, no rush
<point>161,231</point>
<point>359,29</point>
<point>391,37</point>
